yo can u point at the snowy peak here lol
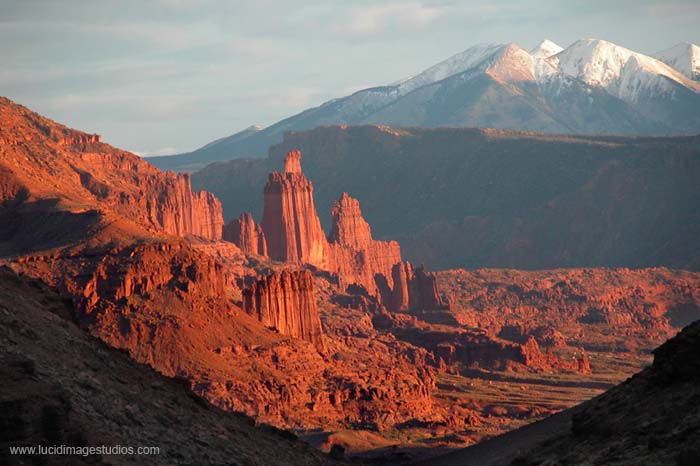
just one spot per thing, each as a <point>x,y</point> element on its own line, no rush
<point>618,70</point>
<point>512,64</point>
<point>473,57</point>
<point>546,49</point>
<point>684,57</point>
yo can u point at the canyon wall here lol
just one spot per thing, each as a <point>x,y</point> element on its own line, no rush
<point>414,289</point>
<point>246,234</point>
<point>285,301</point>
<point>43,160</point>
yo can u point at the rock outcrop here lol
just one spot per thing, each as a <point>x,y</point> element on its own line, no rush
<point>464,197</point>
<point>61,385</point>
<point>293,233</point>
<point>246,234</point>
<point>652,418</point>
<point>178,210</point>
<point>354,255</point>
<point>413,289</point>
<point>42,159</point>
<point>285,301</point>
<point>291,225</point>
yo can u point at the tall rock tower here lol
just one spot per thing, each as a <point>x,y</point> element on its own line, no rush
<point>290,222</point>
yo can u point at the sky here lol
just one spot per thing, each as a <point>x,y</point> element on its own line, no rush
<point>168,76</point>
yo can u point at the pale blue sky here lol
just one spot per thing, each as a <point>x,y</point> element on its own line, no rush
<point>168,76</point>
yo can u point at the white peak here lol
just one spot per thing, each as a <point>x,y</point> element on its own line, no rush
<point>546,49</point>
<point>458,63</point>
<point>602,63</point>
<point>684,57</point>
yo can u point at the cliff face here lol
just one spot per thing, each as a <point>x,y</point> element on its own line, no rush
<point>61,388</point>
<point>180,211</point>
<point>41,160</point>
<point>246,234</point>
<point>293,233</point>
<point>460,197</point>
<point>355,256</point>
<point>413,289</point>
<point>291,225</point>
<point>285,301</point>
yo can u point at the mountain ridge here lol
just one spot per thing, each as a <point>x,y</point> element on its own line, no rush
<point>592,86</point>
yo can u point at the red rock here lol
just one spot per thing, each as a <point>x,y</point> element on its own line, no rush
<point>246,234</point>
<point>42,159</point>
<point>293,234</point>
<point>355,256</point>
<point>348,227</point>
<point>413,289</point>
<point>291,225</point>
<point>286,302</point>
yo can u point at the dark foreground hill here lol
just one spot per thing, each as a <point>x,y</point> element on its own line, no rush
<point>61,386</point>
<point>651,419</point>
<point>457,197</point>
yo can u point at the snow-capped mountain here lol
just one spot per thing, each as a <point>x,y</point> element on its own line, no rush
<point>546,49</point>
<point>471,58</point>
<point>620,71</point>
<point>684,57</point>
<point>592,86</point>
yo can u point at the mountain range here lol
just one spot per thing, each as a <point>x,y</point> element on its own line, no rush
<point>592,86</point>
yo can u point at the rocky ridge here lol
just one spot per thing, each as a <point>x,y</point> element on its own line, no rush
<point>44,160</point>
<point>62,386</point>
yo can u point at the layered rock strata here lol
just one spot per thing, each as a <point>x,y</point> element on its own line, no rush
<point>285,301</point>
<point>43,160</point>
<point>293,233</point>
<point>414,289</point>
<point>291,225</point>
<point>246,234</point>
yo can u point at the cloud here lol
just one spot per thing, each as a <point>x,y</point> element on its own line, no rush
<point>388,18</point>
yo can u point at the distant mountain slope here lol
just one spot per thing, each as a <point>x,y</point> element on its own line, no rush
<point>592,86</point>
<point>495,198</point>
<point>652,419</point>
<point>684,57</point>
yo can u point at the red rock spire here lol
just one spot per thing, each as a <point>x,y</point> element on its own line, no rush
<point>292,162</point>
<point>348,226</point>
<point>290,222</point>
<point>246,234</point>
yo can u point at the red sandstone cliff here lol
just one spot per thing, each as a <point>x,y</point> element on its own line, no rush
<point>246,234</point>
<point>285,301</point>
<point>413,289</point>
<point>293,234</point>
<point>41,159</point>
<point>355,256</point>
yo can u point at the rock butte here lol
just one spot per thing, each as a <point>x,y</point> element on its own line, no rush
<point>246,234</point>
<point>285,301</point>
<point>291,232</point>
